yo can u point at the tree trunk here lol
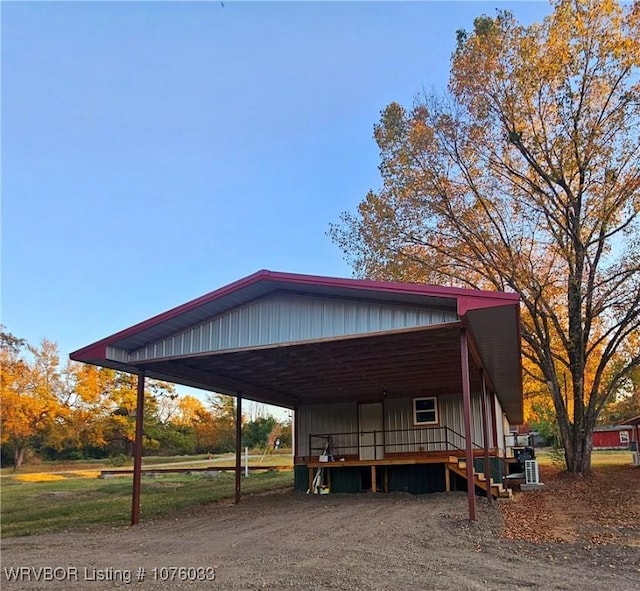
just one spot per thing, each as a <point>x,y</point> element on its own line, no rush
<point>575,437</point>
<point>569,452</point>
<point>577,452</point>
<point>18,457</point>
<point>587,448</point>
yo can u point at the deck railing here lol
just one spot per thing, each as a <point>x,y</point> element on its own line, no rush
<point>417,440</point>
<point>423,439</point>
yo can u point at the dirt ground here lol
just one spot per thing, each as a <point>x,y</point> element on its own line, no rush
<point>366,541</point>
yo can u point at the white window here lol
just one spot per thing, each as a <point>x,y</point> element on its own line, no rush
<point>425,411</point>
<point>624,436</point>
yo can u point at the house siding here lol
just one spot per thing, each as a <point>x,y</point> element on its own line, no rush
<point>500,419</point>
<point>401,435</point>
<point>504,430</point>
<point>332,420</point>
<point>404,436</point>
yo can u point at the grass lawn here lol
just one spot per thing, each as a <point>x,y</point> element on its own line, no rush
<point>54,502</point>
<point>599,458</point>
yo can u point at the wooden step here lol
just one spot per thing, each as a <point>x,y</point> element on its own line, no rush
<point>505,494</point>
<point>497,490</point>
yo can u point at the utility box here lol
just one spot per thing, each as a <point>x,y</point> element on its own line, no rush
<point>531,472</point>
<point>532,477</point>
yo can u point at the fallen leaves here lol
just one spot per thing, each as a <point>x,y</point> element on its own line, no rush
<point>597,510</point>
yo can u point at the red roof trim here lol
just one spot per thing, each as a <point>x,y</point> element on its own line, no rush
<point>467,300</point>
<point>390,286</point>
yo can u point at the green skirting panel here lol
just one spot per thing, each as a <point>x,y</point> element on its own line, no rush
<point>342,479</point>
<point>300,478</point>
<point>414,479</point>
<point>496,467</point>
<point>349,480</point>
<point>417,478</point>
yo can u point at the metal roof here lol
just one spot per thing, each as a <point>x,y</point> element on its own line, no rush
<point>632,421</point>
<point>624,426</point>
<point>416,356</point>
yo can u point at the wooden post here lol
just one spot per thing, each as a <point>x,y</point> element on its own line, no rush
<point>238,444</point>
<point>485,437</point>
<point>137,451</point>
<point>374,485</point>
<point>447,478</point>
<point>466,404</point>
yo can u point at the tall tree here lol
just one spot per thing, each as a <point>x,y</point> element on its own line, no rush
<point>194,415</point>
<point>31,393</point>
<point>120,418</point>
<point>525,177</point>
<point>223,429</point>
<point>88,404</point>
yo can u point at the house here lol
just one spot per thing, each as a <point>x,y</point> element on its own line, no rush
<point>613,437</point>
<point>403,386</point>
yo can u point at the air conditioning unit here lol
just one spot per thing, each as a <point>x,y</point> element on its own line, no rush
<point>531,472</point>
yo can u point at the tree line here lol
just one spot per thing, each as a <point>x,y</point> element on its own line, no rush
<point>76,411</point>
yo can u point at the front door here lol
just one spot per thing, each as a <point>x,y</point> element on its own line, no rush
<point>371,436</point>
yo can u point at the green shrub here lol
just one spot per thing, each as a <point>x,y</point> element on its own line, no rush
<point>118,460</point>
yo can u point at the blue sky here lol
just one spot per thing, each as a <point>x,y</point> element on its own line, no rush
<point>155,151</point>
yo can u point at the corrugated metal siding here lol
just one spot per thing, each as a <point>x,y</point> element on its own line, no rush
<point>117,354</point>
<point>505,427</point>
<point>399,417</point>
<point>286,318</point>
<point>401,433</point>
<point>611,439</point>
<point>500,424</point>
<point>491,421</point>
<point>334,419</point>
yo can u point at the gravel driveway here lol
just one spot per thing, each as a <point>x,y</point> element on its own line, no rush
<point>291,540</point>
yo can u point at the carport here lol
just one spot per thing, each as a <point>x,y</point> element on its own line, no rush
<point>299,340</point>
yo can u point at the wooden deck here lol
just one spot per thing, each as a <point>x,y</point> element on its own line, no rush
<point>390,459</point>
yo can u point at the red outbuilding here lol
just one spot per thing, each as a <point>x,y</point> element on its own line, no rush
<point>613,437</point>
